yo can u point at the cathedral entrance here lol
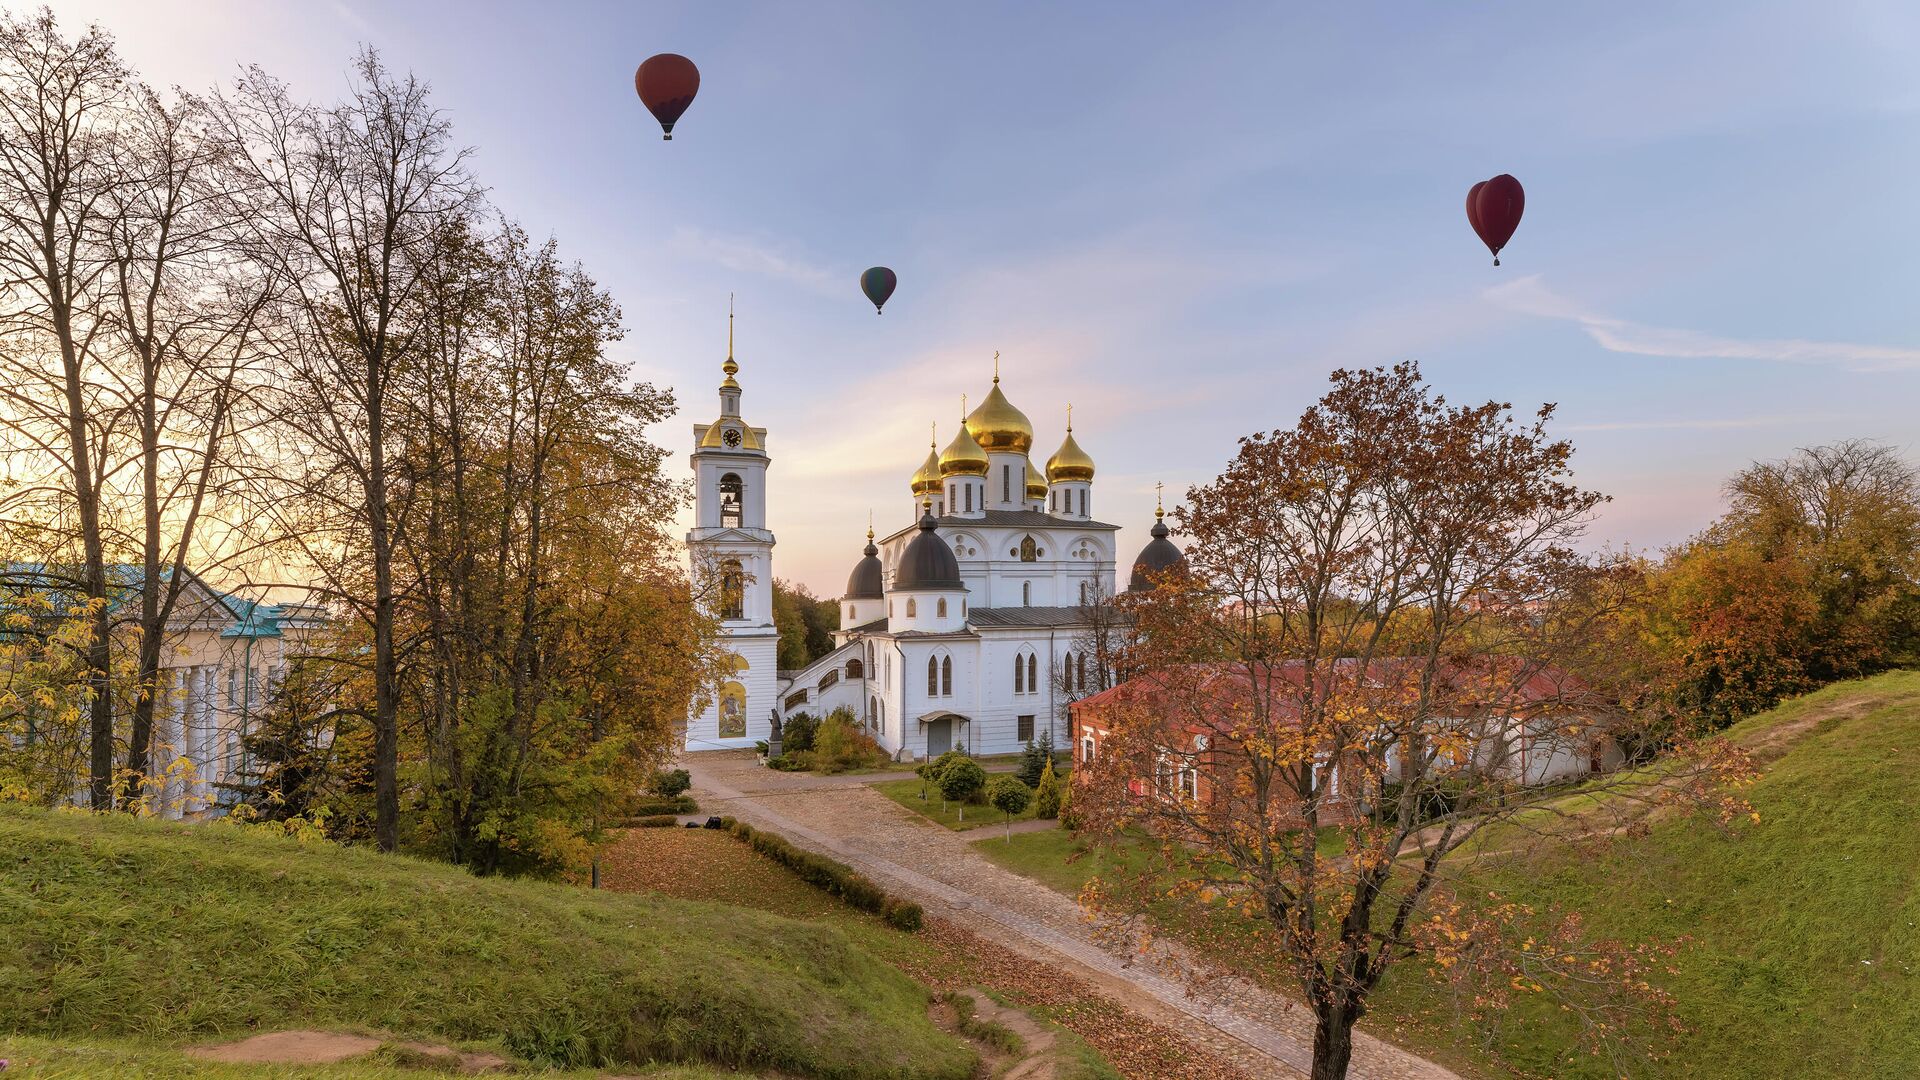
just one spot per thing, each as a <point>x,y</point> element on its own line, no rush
<point>939,736</point>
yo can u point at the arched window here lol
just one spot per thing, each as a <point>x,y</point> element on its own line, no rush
<point>942,609</point>
<point>1033,674</point>
<point>732,497</point>
<point>910,608</point>
<point>1019,675</point>
<point>1066,671</point>
<point>1081,677</point>
<point>733,590</point>
<point>873,709</point>
<point>969,489</point>
<point>1026,594</point>
<point>1006,483</point>
<point>946,676</point>
<point>933,676</point>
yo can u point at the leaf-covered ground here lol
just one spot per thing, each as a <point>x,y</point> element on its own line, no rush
<point>700,864</point>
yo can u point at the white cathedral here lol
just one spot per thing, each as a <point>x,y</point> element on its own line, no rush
<point>957,630</point>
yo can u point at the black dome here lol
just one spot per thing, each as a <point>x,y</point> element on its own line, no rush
<point>1157,557</point>
<point>865,581</point>
<point>928,562</point>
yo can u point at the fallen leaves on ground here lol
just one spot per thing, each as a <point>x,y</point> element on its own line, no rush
<point>708,864</point>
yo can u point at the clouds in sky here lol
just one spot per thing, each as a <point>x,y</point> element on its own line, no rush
<point>1530,296</point>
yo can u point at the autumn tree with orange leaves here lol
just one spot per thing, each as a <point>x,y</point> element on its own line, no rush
<point>1372,646</point>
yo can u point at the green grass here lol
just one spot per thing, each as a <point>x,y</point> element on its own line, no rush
<point>949,814</point>
<point>45,1059</point>
<point>149,932</point>
<point>1804,957</point>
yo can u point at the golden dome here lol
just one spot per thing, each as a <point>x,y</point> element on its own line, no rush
<point>963,456</point>
<point>997,425</point>
<point>926,481</point>
<point>1069,462</point>
<point>1036,484</point>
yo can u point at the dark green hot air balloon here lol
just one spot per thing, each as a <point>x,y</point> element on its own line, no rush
<point>878,284</point>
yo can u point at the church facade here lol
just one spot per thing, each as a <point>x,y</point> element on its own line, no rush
<point>959,629</point>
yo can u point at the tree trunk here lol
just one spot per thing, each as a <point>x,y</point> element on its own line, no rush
<point>1333,1042</point>
<point>386,700</point>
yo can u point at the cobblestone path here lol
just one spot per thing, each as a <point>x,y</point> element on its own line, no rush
<point>1260,1031</point>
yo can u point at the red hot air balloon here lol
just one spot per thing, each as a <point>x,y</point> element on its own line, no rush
<point>878,283</point>
<point>666,84</point>
<point>1493,209</point>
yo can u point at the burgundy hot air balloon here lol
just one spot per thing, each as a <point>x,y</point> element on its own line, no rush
<point>667,83</point>
<point>1493,209</point>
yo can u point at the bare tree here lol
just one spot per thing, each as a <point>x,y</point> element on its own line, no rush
<point>345,204</point>
<point>185,328</point>
<point>60,105</point>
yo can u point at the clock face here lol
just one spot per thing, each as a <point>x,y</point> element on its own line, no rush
<point>731,436</point>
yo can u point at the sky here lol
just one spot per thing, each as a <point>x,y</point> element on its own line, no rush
<point>1182,218</point>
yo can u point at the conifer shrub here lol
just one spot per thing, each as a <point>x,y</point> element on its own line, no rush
<point>796,734</point>
<point>1048,794</point>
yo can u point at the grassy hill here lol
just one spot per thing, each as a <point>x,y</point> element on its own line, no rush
<point>1804,957</point>
<point>151,933</point>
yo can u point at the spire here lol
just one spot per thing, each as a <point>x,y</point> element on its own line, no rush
<point>731,366</point>
<point>1159,510</point>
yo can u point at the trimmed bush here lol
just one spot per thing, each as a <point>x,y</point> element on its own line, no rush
<point>961,782</point>
<point>671,782</point>
<point>831,875</point>
<point>650,807</point>
<point>657,821</point>
<point>905,915</point>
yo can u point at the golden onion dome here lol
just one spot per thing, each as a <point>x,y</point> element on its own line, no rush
<point>997,425</point>
<point>1069,462</point>
<point>963,456</point>
<point>1036,484</point>
<point>926,481</point>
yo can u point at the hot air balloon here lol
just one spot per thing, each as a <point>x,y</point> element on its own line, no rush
<point>666,84</point>
<point>1493,209</point>
<point>878,284</point>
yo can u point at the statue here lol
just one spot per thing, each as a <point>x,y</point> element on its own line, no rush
<point>773,738</point>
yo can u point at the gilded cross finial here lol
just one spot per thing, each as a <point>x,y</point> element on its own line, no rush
<point>1159,511</point>
<point>933,431</point>
<point>996,367</point>
<point>869,523</point>
<point>963,410</point>
<point>1069,417</point>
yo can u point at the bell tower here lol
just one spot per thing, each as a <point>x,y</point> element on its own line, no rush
<point>731,551</point>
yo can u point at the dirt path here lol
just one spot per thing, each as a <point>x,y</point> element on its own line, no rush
<point>1261,1032</point>
<point>308,1047</point>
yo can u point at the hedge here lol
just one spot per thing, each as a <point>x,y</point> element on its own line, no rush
<point>835,877</point>
<point>656,821</point>
<point>658,804</point>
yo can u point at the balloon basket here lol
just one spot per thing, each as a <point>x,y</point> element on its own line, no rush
<point>666,138</point>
